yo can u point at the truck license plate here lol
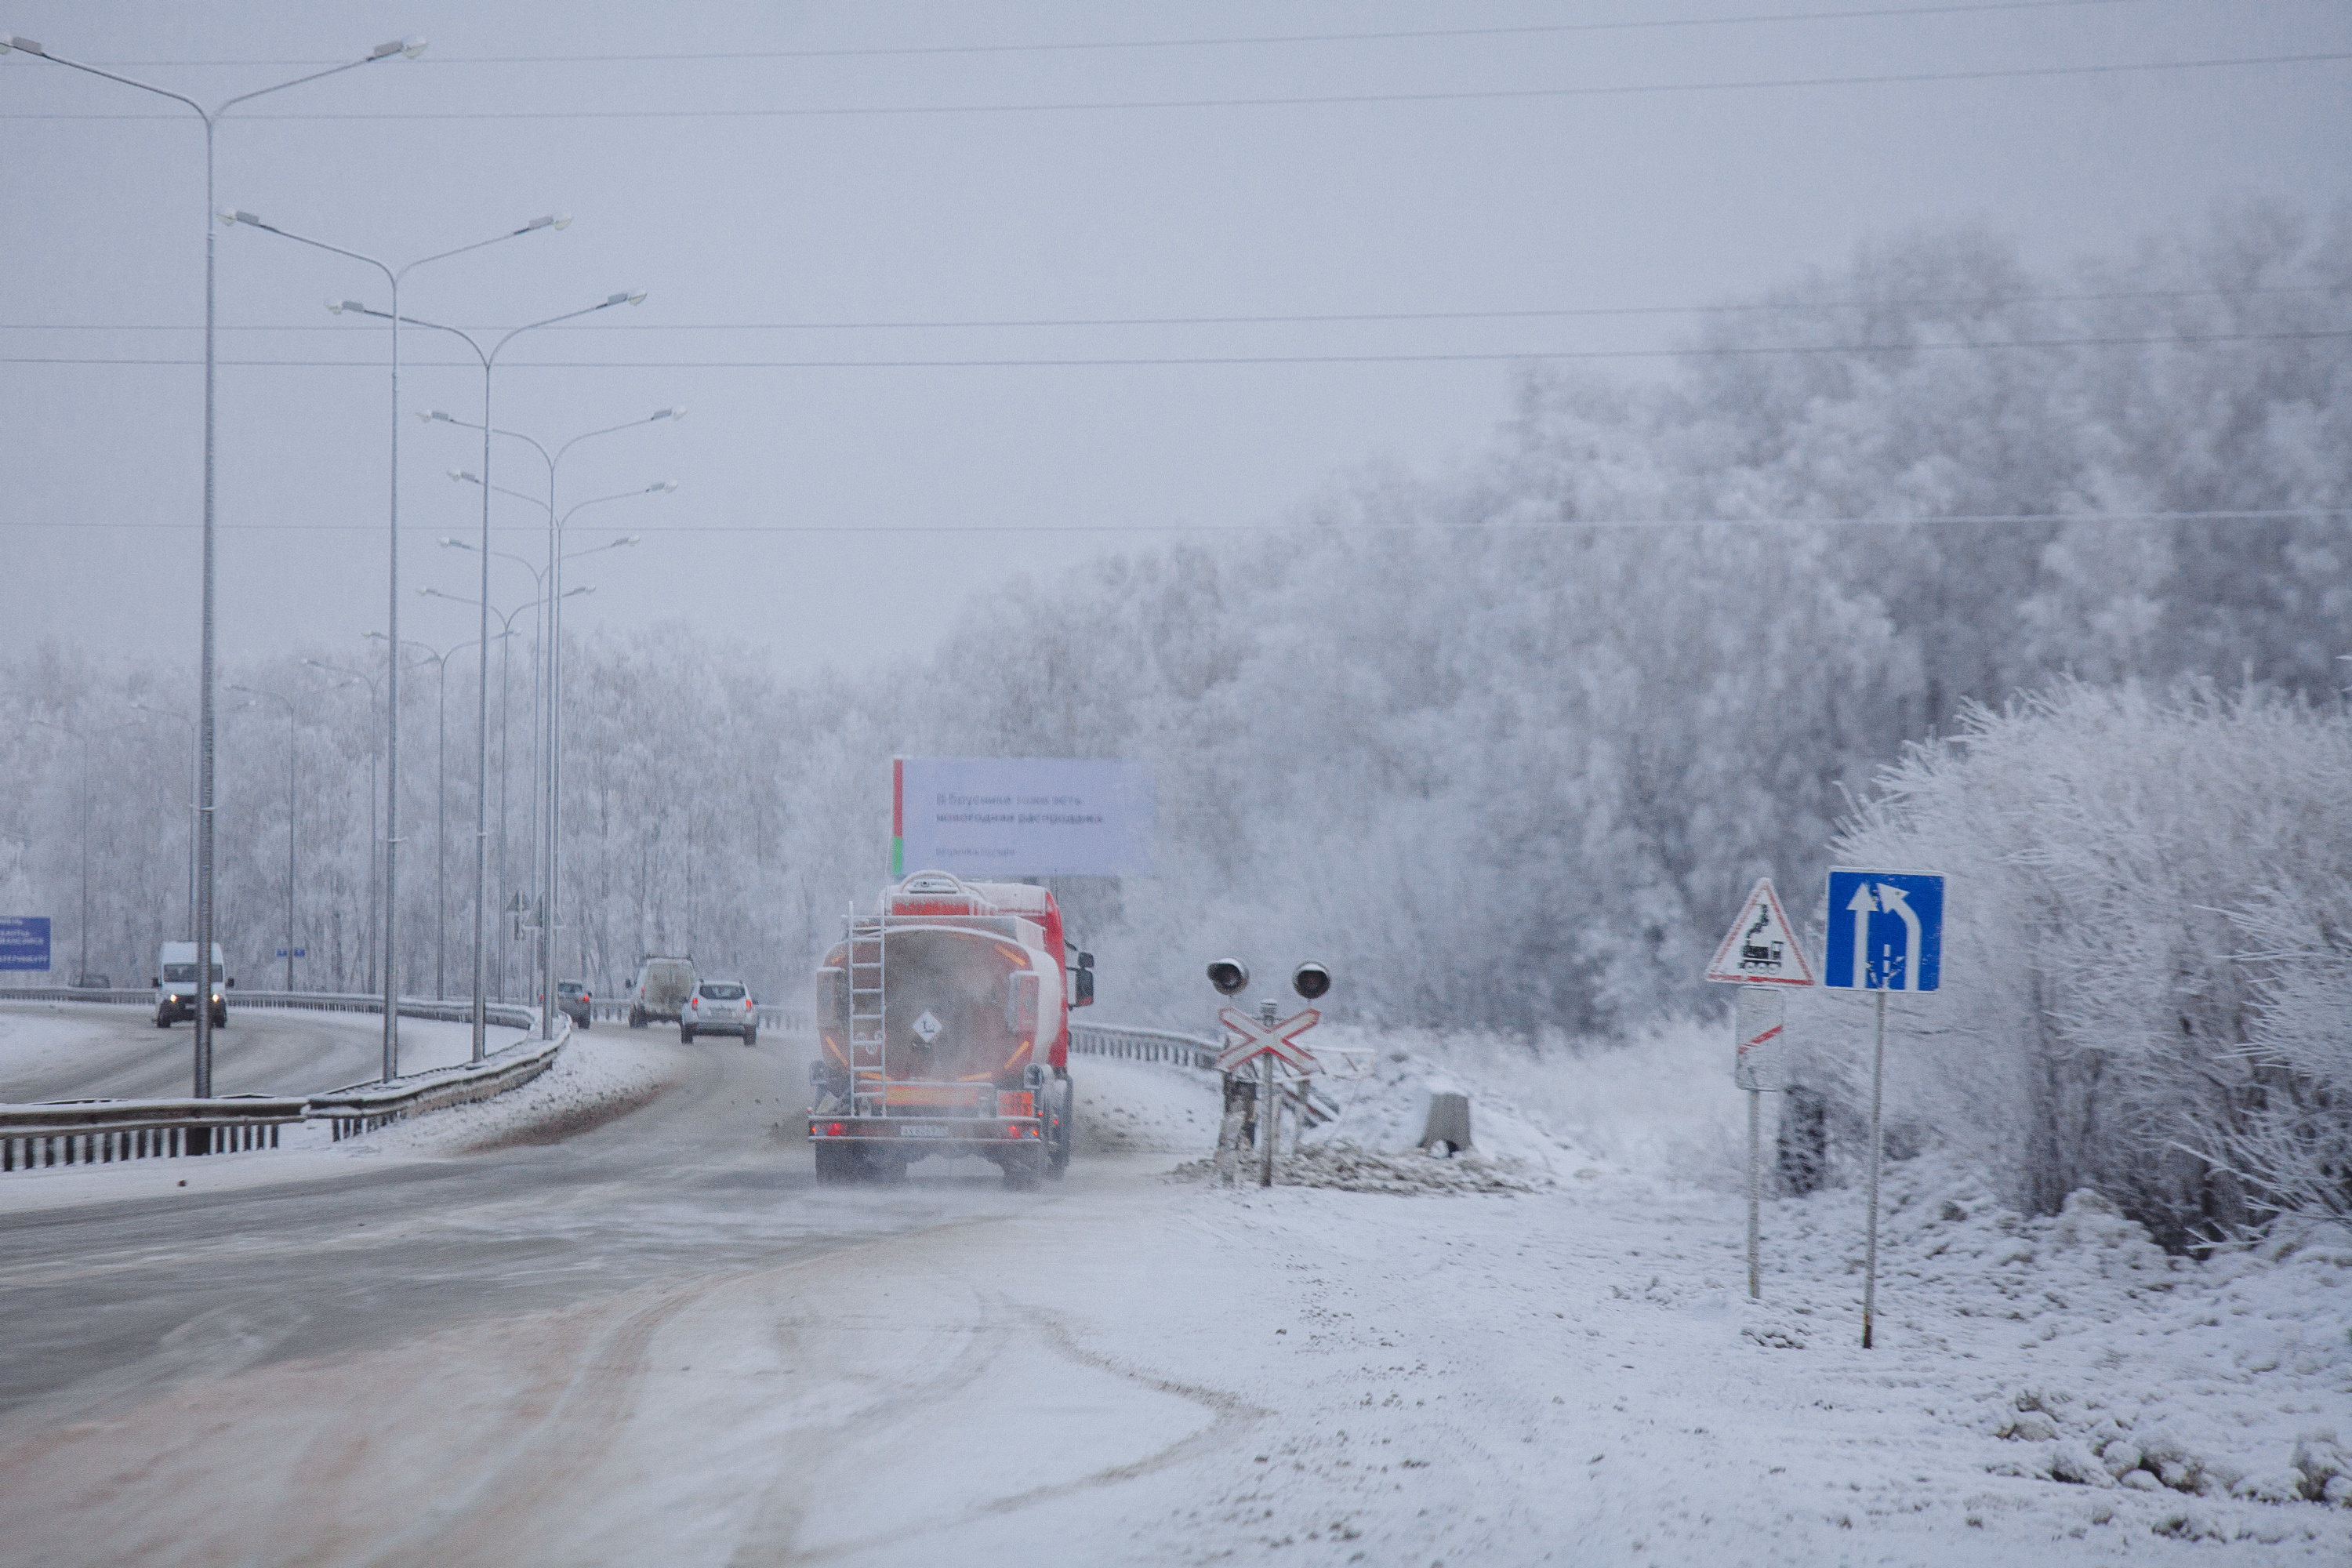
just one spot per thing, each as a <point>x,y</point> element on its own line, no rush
<point>921,1129</point>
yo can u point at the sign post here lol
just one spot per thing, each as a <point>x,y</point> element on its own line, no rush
<point>1759,955</point>
<point>1886,933</point>
<point>1265,1037</point>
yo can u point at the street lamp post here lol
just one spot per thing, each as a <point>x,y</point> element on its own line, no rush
<point>258,694</point>
<point>506,641</point>
<point>552,584</point>
<point>489,357</point>
<point>392,838</point>
<point>539,600</point>
<point>200,1141</point>
<point>441,816</point>
<point>540,762</point>
<point>375,910</point>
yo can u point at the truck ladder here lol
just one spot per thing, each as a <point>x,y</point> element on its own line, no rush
<point>868,1026</point>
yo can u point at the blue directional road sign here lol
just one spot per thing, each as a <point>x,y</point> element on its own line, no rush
<point>1886,932</point>
<point>298,952</point>
<point>24,942</point>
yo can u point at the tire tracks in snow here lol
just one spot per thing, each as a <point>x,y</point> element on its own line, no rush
<point>1231,1417</point>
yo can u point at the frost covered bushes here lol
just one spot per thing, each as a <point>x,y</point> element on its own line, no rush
<point>2147,953</point>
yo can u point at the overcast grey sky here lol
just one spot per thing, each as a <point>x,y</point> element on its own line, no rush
<point>782,178</point>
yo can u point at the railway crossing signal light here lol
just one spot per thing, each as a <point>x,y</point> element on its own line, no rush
<point>1310,980</point>
<point>1229,975</point>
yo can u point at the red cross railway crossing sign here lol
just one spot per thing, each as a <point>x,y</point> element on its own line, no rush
<point>1277,1040</point>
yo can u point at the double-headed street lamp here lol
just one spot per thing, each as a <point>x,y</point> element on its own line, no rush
<point>391,706</point>
<point>200,1139</point>
<point>489,358</point>
<point>552,584</point>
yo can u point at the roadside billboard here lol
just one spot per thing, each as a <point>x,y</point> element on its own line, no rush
<point>987,818</point>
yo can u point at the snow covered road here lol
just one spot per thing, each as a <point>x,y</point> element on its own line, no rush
<point>656,1341</point>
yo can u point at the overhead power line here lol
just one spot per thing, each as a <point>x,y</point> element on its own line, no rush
<point>1303,101</point>
<point>1489,525</point>
<point>1412,34</point>
<point>1792,307</point>
<point>1741,351</point>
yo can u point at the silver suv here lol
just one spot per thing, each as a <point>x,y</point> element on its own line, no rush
<point>719,1007</point>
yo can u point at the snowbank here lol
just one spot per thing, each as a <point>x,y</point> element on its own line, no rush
<point>592,1080</point>
<point>2077,1351</point>
<point>1143,1107</point>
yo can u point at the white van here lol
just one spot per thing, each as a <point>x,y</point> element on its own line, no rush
<point>177,988</point>
<point>660,995</point>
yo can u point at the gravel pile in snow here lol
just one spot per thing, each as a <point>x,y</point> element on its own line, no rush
<point>1346,1168</point>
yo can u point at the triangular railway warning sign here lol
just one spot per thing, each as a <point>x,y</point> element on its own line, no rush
<point>1761,949</point>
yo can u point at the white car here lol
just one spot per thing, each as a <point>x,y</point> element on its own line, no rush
<point>719,1007</point>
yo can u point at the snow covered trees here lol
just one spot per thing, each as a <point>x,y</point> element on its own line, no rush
<point>1507,746</point>
<point>2145,949</point>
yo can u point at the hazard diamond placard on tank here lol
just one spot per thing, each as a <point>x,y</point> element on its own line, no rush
<point>1761,949</point>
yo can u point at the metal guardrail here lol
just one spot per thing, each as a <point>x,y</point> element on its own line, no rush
<point>1143,1045</point>
<point>1313,1106</point>
<point>790,1020</point>
<point>365,1106</point>
<point>100,1131</point>
<point>505,1015</point>
<point>75,994</point>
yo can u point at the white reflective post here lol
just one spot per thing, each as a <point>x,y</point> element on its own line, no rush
<point>1878,1084</point>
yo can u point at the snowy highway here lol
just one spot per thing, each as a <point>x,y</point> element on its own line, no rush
<point>610,1318</point>
<point>76,1050</point>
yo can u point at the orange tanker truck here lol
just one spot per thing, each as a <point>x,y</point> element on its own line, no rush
<point>943,1029</point>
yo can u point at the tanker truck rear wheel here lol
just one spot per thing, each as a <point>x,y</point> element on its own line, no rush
<point>835,1165</point>
<point>1021,1170</point>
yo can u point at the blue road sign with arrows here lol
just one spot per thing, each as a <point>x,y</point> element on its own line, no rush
<point>1886,932</point>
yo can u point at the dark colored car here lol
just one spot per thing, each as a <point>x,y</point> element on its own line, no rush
<point>573,996</point>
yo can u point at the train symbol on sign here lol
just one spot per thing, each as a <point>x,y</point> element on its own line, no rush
<point>1885,930</point>
<point>1759,949</point>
